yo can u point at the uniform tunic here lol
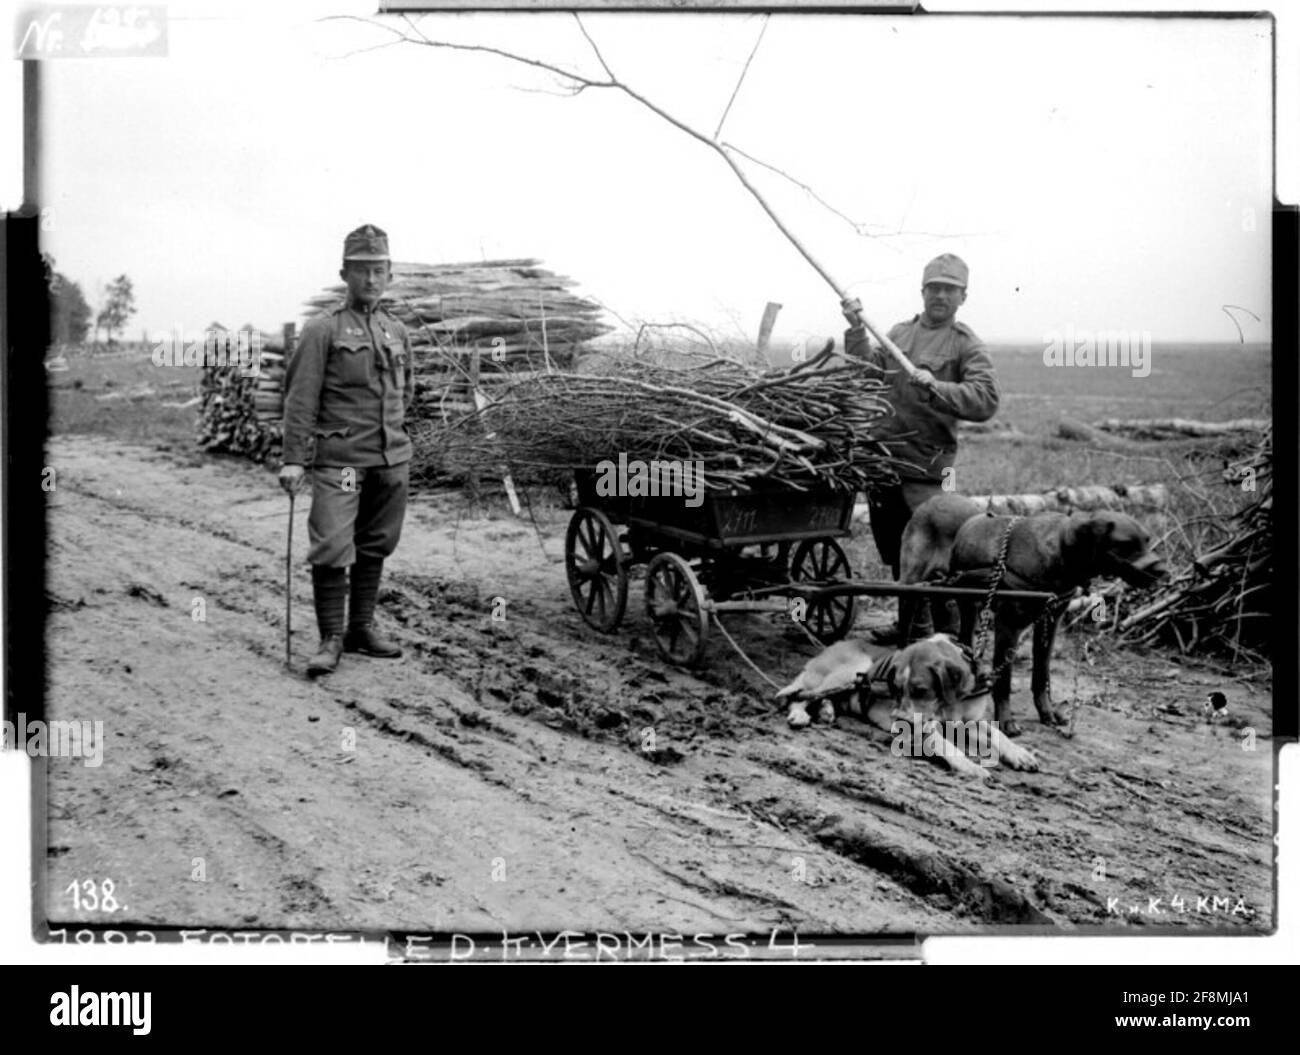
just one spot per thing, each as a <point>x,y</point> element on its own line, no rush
<point>348,385</point>
<point>923,428</point>
<point>966,389</point>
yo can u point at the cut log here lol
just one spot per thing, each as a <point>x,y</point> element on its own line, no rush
<point>1177,428</point>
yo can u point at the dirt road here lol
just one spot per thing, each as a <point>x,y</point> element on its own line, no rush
<point>530,773</point>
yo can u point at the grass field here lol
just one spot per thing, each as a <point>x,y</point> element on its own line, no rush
<point>1209,382</point>
<point>127,398</point>
<point>1205,382</point>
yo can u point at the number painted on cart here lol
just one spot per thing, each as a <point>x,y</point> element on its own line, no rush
<point>738,521</point>
<point>823,516</point>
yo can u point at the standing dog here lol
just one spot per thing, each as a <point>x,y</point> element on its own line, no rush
<point>927,684</point>
<point>1051,552</point>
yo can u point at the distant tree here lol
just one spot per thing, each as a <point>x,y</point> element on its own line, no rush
<point>119,306</point>
<point>70,314</point>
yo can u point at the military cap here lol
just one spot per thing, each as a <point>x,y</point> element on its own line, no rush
<point>367,242</point>
<point>946,268</point>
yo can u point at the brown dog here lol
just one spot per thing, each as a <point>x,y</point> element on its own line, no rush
<point>1051,552</point>
<point>921,695</point>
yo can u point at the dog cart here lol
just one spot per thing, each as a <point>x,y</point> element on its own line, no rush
<point>735,551</point>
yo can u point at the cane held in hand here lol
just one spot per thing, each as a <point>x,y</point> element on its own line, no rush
<point>288,585</point>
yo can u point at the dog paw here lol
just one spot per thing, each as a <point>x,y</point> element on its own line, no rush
<point>1021,758</point>
<point>965,767</point>
<point>825,712</point>
<point>798,717</point>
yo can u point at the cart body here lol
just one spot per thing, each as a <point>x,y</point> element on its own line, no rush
<point>729,551</point>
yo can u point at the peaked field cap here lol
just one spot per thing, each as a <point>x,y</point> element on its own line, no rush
<point>946,268</point>
<point>367,242</point>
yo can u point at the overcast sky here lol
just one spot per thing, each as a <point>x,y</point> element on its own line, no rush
<point>1094,173</point>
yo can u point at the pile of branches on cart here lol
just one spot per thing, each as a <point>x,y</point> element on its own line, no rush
<point>810,425</point>
<point>1222,602</point>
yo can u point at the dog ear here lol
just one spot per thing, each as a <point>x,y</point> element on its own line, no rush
<point>952,680</point>
<point>898,678</point>
<point>1085,535</point>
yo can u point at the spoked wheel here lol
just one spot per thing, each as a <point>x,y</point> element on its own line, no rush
<point>824,560</point>
<point>674,600</point>
<point>593,559</point>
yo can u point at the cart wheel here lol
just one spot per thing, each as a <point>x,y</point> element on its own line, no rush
<point>823,560</point>
<point>593,558</point>
<point>674,600</point>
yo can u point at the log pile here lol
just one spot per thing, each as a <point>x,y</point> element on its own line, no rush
<point>1084,499</point>
<point>1178,428</point>
<point>471,325</point>
<point>1133,499</point>
<point>1222,602</point>
<point>475,324</point>
<point>239,404</point>
<point>808,425</point>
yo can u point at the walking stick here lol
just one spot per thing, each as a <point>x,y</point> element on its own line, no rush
<point>288,586</point>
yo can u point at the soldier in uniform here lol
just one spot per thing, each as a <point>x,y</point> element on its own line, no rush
<point>954,381</point>
<point>348,385</point>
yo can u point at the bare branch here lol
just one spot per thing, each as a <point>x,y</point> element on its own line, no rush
<point>741,79</point>
<point>604,65</point>
<point>860,228</point>
<point>373,47</point>
<point>712,143</point>
<point>672,325</point>
<point>866,230</point>
<point>422,39</point>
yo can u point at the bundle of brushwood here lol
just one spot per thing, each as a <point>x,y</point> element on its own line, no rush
<point>1223,601</point>
<point>239,403</point>
<point>807,426</point>
<point>473,325</point>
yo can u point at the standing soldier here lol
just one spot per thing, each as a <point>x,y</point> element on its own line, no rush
<point>347,387</point>
<point>954,381</point>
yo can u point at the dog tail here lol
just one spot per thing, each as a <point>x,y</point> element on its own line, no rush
<point>792,689</point>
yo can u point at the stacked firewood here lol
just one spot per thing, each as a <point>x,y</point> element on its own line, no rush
<point>239,404</point>
<point>471,325</point>
<point>806,426</point>
<point>1222,602</point>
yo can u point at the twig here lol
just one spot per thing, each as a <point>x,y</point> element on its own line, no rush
<point>717,132</point>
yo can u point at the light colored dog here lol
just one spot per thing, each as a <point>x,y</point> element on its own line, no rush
<point>921,694</point>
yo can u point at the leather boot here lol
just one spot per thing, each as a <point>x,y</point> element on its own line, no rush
<point>329,591</point>
<point>362,636</point>
<point>326,659</point>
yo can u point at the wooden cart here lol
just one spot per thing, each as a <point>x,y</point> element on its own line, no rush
<point>734,551</point>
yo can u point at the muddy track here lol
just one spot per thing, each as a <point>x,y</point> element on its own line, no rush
<point>530,772</point>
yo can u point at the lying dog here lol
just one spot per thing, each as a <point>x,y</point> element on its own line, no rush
<point>927,684</point>
<point>1050,552</point>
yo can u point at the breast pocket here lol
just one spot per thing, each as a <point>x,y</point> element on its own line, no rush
<point>351,362</point>
<point>397,356</point>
